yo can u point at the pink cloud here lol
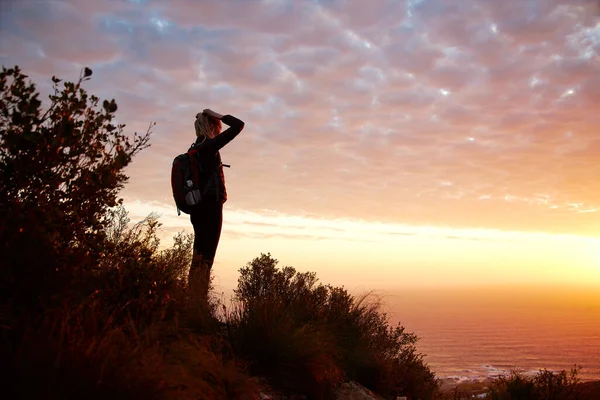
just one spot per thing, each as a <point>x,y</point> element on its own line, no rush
<point>374,110</point>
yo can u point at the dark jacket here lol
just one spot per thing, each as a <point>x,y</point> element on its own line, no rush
<point>208,151</point>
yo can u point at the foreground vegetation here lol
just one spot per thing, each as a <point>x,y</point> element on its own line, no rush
<point>91,308</point>
<point>544,385</point>
<point>517,385</point>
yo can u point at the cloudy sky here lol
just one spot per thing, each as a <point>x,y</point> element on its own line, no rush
<point>386,141</point>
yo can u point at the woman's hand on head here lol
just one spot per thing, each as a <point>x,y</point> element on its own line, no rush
<point>210,113</point>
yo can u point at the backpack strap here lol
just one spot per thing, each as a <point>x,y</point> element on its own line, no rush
<point>193,153</point>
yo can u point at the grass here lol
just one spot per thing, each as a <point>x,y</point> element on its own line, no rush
<point>297,357</point>
<point>83,353</point>
<point>131,328</point>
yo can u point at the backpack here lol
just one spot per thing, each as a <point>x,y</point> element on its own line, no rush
<point>188,181</point>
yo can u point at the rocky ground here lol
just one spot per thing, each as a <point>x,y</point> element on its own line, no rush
<point>348,391</point>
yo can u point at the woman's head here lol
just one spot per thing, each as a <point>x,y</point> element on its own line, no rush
<point>206,127</point>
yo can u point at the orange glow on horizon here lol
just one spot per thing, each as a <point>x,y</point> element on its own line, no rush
<point>376,255</point>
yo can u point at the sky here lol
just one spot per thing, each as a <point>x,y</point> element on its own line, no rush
<point>387,143</point>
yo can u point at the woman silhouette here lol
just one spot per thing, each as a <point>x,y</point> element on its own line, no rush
<point>207,219</point>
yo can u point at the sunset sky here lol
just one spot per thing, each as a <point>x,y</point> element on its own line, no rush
<point>387,143</point>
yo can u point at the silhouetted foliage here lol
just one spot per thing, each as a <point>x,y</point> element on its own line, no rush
<point>90,307</point>
<point>61,170</point>
<point>286,319</point>
<point>135,335</point>
<point>545,385</point>
<point>273,328</point>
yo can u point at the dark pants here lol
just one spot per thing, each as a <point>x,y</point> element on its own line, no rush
<point>207,222</point>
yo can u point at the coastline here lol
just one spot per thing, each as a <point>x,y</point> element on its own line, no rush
<point>474,387</point>
<point>471,387</point>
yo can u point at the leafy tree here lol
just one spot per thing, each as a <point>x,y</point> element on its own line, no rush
<point>61,170</point>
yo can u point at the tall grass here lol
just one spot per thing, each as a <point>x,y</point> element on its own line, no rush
<point>130,329</point>
<point>296,357</point>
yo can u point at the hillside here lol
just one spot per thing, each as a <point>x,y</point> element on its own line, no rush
<point>91,308</point>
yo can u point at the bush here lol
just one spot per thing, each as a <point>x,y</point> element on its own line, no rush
<point>284,318</point>
<point>270,326</point>
<point>133,275</point>
<point>545,385</point>
<point>61,170</point>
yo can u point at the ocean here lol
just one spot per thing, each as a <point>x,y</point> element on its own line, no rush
<point>479,333</point>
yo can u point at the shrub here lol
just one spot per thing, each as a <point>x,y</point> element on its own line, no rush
<point>135,277</point>
<point>61,170</point>
<point>297,357</point>
<point>273,325</point>
<point>545,385</point>
<point>286,318</point>
<point>557,385</point>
